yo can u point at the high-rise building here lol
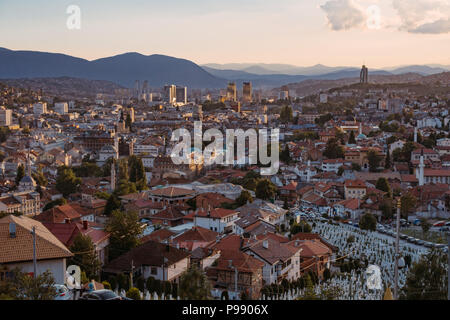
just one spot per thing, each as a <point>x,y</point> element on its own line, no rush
<point>247,92</point>
<point>364,75</point>
<point>181,95</point>
<point>231,92</point>
<point>61,107</point>
<point>40,108</point>
<point>5,116</point>
<point>170,94</point>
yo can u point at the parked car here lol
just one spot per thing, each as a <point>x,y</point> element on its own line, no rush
<point>439,224</point>
<point>62,292</point>
<point>101,295</point>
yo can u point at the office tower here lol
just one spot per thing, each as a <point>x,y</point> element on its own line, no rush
<point>5,116</point>
<point>364,76</point>
<point>61,107</point>
<point>247,92</point>
<point>170,94</point>
<point>181,95</point>
<point>145,87</point>
<point>231,92</point>
<point>137,89</point>
<point>40,108</point>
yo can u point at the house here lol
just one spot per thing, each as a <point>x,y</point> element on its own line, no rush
<point>332,165</point>
<point>281,260</point>
<point>160,235</point>
<point>68,212</point>
<point>289,192</point>
<point>349,208</point>
<point>253,225</point>
<point>152,259</point>
<point>315,256</point>
<point>237,272</point>
<point>168,217</point>
<point>355,189</point>
<point>217,219</point>
<point>67,232</point>
<point>197,237</point>
<point>171,195</point>
<point>16,247</point>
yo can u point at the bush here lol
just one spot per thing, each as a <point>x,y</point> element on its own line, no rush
<point>140,283</point>
<point>106,285</point>
<point>134,294</point>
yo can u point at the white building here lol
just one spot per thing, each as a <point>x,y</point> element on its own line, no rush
<point>5,116</point>
<point>217,219</point>
<point>40,108</point>
<point>61,107</point>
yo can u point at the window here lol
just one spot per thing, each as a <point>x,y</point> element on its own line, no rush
<point>154,270</point>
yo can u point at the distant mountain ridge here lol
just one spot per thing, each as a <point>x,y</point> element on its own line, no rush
<point>123,69</point>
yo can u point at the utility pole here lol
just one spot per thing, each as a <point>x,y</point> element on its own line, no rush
<point>397,254</point>
<point>131,274</point>
<point>33,233</point>
<point>448,268</point>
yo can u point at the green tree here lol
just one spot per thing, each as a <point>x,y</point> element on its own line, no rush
<point>137,170</point>
<point>134,294</point>
<point>425,226</point>
<point>408,203</point>
<point>30,288</point>
<point>54,203</point>
<point>285,155</point>
<point>265,189</point>
<point>125,230</point>
<point>113,203</point>
<point>244,198</point>
<point>20,173</point>
<point>351,139</point>
<point>286,114</point>
<point>85,256</point>
<point>194,285</point>
<point>368,222</point>
<point>333,149</point>
<point>427,279</point>
<point>303,227</point>
<point>387,162</point>
<point>383,185</point>
<point>66,181</point>
<point>374,160</point>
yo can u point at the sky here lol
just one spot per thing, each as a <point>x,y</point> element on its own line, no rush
<point>379,33</point>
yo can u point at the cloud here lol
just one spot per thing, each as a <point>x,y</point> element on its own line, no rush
<point>343,14</point>
<point>436,27</point>
<point>423,16</point>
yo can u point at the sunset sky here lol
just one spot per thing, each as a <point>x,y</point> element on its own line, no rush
<point>301,32</point>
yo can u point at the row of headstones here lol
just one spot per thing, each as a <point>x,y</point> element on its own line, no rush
<point>148,296</point>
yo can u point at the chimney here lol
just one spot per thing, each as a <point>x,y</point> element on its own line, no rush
<point>85,224</point>
<point>66,220</point>
<point>265,244</point>
<point>297,243</point>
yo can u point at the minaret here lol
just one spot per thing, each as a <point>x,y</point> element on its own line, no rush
<point>360,128</point>
<point>421,176</point>
<point>415,134</point>
<point>308,176</point>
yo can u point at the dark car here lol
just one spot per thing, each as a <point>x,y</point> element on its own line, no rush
<point>101,295</point>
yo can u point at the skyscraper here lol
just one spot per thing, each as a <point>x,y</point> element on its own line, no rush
<point>181,95</point>
<point>231,92</point>
<point>364,76</point>
<point>170,93</point>
<point>247,92</point>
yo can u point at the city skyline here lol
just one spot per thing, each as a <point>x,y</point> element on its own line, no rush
<point>301,33</point>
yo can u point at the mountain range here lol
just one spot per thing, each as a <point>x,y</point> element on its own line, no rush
<point>159,70</point>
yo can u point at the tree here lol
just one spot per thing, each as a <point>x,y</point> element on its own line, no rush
<point>351,139</point>
<point>387,162</point>
<point>66,182</point>
<point>303,227</point>
<point>194,285</point>
<point>427,279</point>
<point>54,203</point>
<point>383,185</point>
<point>85,256</point>
<point>286,114</point>
<point>333,149</point>
<point>374,160</point>
<point>368,222</point>
<point>137,170</point>
<point>425,226</point>
<point>134,294</point>
<point>408,202</point>
<point>285,155</point>
<point>125,230</point>
<point>265,189</point>
<point>29,288</point>
<point>113,203</point>
<point>20,173</point>
<point>309,290</point>
<point>244,198</point>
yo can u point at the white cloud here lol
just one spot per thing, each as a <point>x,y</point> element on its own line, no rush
<point>436,27</point>
<point>423,16</point>
<point>343,14</point>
